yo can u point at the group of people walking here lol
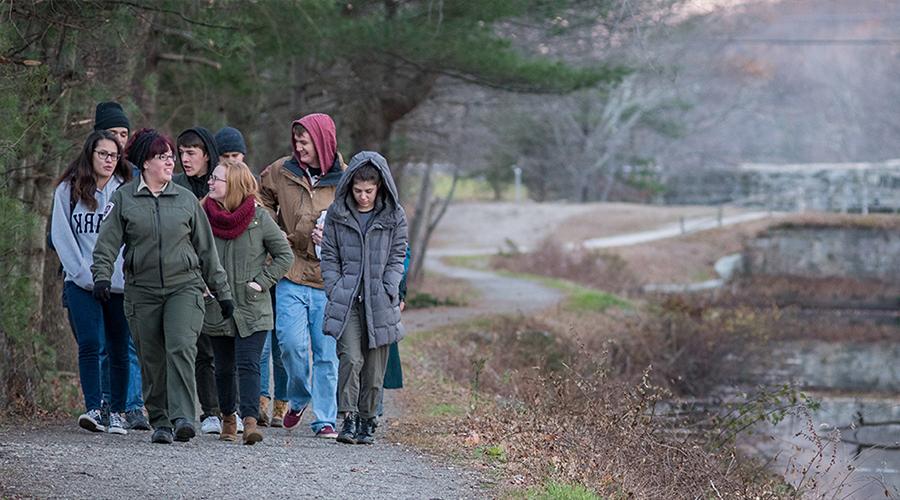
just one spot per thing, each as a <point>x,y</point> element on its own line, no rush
<point>199,277</point>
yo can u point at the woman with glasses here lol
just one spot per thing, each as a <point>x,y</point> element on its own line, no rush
<point>169,259</point>
<point>246,237</point>
<point>82,193</point>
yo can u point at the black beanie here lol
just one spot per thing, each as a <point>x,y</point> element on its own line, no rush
<point>230,140</point>
<point>137,151</point>
<point>109,115</point>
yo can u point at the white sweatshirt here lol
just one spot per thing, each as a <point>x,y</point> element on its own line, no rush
<point>75,234</point>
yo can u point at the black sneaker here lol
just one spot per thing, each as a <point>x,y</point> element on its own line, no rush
<point>162,435</point>
<point>365,431</point>
<point>137,421</point>
<point>91,421</point>
<point>184,430</point>
<point>104,413</point>
<point>348,429</point>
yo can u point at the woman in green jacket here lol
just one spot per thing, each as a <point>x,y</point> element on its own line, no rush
<point>246,236</point>
<point>169,259</point>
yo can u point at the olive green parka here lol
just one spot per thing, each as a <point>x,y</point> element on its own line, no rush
<point>246,260</point>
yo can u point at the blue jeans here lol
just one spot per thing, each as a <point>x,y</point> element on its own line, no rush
<point>97,325</point>
<point>134,400</point>
<point>271,350</point>
<point>299,317</point>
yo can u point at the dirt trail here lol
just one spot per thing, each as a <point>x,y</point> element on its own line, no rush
<point>59,460</point>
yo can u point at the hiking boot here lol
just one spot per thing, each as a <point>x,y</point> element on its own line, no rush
<point>348,429</point>
<point>162,435</point>
<point>117,423</point>
<point>211,425</point>
<point>136,420</point>
<point>184,430</point>
<point>229,428</point>
<point>327,432</point>
<point>251,432</point>
<point>92,421</point>
<point>292,418</point>
<point>240,423</point>
<point>263,420</point>
<point>281,409</point>
<point>365,431</point>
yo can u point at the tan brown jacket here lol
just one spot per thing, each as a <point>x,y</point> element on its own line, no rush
<point>287,193</point>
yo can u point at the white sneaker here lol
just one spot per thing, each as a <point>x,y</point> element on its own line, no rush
<point>91,421</point>
<point>240,423</point>
<point>211,425</point>
<point>117,423</point>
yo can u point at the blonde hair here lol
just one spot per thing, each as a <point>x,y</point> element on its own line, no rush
<point>241,184</point>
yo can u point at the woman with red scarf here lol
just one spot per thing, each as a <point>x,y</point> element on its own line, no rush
<point>245,237</point>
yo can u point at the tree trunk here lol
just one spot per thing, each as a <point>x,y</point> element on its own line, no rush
<point>417,226</point>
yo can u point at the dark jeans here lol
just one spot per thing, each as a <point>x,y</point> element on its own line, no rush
<point>96,325</point>
<point>242,353</point>
<point>273,352</point>
<point>134,400</point>
<point>204,372</point>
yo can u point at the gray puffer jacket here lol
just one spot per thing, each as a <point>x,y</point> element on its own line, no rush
<point>370,263</point>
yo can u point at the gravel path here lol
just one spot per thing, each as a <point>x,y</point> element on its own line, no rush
<point>59,460</point>
<point>62,461</point>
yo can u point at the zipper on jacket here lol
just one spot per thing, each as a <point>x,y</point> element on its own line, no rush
<point>162,283</point>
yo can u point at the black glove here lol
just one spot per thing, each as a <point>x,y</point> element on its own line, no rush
<point>101,290</point>
<point>227,306</point>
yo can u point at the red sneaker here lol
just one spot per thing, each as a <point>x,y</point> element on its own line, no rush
<point>293,417</point>
<point>327,432</point>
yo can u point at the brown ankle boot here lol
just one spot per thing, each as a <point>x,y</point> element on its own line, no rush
<point>229,428</point>
<point>263,420</point>
<point>281,409</point>
<point>251,432</point>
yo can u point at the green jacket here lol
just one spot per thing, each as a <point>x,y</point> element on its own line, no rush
<point>244,259</point>
<point>168,241</point>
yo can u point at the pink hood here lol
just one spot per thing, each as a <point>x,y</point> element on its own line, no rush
<point>322,131</point>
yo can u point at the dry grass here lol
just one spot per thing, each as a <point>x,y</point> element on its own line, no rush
<point>567,398</point>
<point>603,270</point>
<point>840,221</point>
<point>685,259</point>
<point>688,258</point>
<point>438,290</point>
<point>786,291</point>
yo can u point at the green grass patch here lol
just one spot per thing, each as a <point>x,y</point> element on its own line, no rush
<point>595,300</point>
<point>423,300</point>
<point>480,262</point>
<point>580,298</point>
<point>445,410</point>
<point>561,491</point>
<point>492,452</point>
<point>472,189</point>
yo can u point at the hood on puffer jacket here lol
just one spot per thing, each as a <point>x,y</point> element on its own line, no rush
<point>388,192</point>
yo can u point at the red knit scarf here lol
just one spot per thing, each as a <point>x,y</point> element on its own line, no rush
<point>229,225</point>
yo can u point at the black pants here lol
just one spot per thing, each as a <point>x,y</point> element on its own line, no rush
<point>244,354</point>
<point>204,373</point>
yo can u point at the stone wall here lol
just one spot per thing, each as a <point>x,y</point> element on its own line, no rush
<point>861,253</point>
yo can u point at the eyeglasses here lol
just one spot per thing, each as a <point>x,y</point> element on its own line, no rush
<point>213,178</point>
<point>106,155</point>
<point>165,157</point>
